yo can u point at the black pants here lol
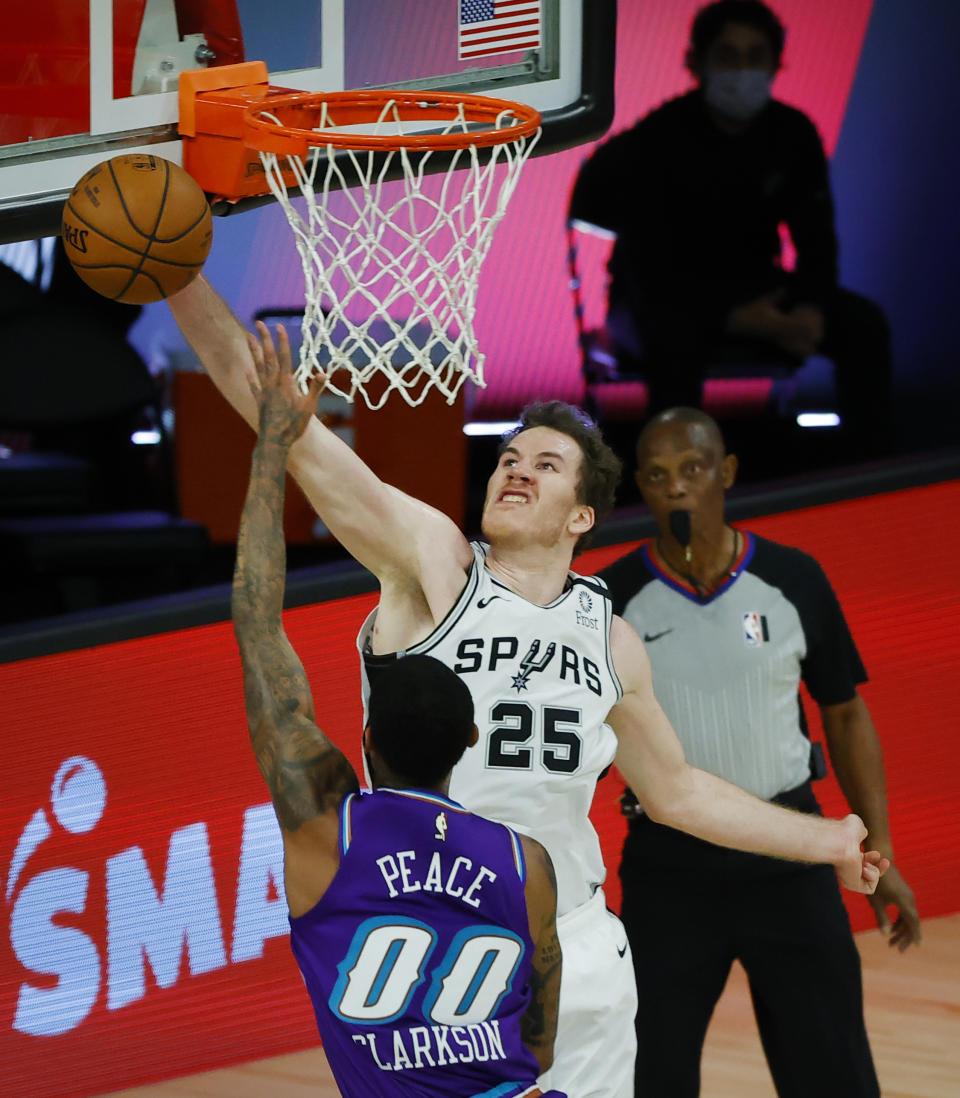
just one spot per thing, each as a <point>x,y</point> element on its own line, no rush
<point>690,909</point>
<point>672,348</point>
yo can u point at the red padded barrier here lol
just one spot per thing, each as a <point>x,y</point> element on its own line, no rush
<point>143,935</point>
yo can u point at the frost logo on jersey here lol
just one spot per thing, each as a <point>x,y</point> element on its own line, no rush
<point>143,925</point>
<point>441,825</point>
<point>586,605</point>
<point>530,663</point>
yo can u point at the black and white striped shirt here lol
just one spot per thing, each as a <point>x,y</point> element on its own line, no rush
<point>727,666</point>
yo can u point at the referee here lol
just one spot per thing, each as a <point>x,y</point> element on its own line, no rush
<point>732,623</point>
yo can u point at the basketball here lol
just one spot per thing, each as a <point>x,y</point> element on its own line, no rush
<point>137,228</point>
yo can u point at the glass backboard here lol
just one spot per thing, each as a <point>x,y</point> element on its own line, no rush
<point>86,81</point>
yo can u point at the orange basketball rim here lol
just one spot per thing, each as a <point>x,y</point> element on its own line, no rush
<point>320,118</point>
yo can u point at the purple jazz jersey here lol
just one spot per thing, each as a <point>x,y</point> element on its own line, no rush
<point>418,957</point>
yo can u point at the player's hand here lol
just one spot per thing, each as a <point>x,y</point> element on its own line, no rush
<point>859,870</point>
<point>285,409</point>
<point>893,891</point>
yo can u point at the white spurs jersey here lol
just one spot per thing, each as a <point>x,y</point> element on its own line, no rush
<point>542,681</point>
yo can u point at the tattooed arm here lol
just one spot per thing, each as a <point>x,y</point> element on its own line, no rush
<point>539,1025</point>
<point>307,776</point>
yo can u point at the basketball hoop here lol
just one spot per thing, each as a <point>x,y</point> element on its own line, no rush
<point>391,269</point>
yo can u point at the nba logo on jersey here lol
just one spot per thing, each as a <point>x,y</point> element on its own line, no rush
<point>754,629</point>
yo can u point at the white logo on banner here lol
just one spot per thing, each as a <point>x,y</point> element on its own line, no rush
<point>144,925</point>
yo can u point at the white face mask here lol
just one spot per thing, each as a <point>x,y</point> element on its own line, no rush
<point>738,94</point>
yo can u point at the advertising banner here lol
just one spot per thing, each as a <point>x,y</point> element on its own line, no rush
<point>145,934</point>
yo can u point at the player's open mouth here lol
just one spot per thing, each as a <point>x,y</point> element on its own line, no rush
<point>512,497</point>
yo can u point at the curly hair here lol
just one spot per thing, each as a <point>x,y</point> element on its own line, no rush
<point>599,466</point>
<point>420,716</point>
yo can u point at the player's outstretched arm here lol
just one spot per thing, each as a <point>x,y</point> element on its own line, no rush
<point>540,1021</point>
<point>220,342</point>
<point>306,774</point>
<point>381,527</point>
<point>651,759</point>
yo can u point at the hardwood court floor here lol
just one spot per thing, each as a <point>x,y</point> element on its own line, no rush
<point>912,1008</point>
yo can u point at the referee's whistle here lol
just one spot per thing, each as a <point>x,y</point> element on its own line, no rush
<point>679,522</point>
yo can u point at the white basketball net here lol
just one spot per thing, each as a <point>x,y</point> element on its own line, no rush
<point>391,282</point>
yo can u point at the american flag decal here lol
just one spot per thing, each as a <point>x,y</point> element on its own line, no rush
<point>498,26</point>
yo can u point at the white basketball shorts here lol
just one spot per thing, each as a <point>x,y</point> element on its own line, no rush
<point>596,1041</point>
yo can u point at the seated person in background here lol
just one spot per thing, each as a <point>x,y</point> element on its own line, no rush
<point>697,191</point>
<point>426,935</point>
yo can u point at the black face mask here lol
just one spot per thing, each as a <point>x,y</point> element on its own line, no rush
<point>737,94</point>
